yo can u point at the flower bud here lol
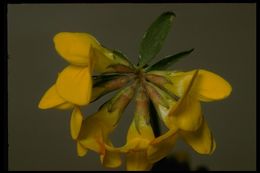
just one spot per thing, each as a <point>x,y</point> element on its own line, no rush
<point>119,68</point>
<point>121,100</point>
<point>142,113</point>
<point>155,95</point>
<point>162,80</point>
<point>157,79</point>
<point>105,87</point>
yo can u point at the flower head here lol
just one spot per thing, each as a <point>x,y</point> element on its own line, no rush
<point>95,70</point>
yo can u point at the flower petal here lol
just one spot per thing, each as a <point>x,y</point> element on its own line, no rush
<point>75,122</point>
<point>81,150</point>
<point>75,47</point>
<point>75,84</point>
<point>163,113</point>
<point>145,130</point>
<point>140,132</point>
<point>103,59</point>
<point>91,136</point>
<point>65,106</point>
<point>161,146</point>
<point>107,60</point>
<point>96,128</point>
<point>208,86</point>
<point>111,159</point>
<point>137,139</point>
<point>180,82</point>
<point>211,86</point>
<point>51,99</point>
<point>187,114</point>
<point>137,161</point>
<point>201,140</point>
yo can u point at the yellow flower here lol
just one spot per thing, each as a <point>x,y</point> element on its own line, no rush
<point>139,136</point>
<point>74,87</point>
<point>184,118</point>
<point>74,83</point>
<point>96,128</point>
<point>137,144</point>
<point>95,70</point>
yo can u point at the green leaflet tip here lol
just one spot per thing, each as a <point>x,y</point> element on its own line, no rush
<point>191,50</point>
<point>170,13</point>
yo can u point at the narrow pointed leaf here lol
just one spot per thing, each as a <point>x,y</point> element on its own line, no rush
<point>154,37</point>
<point>168,61</point>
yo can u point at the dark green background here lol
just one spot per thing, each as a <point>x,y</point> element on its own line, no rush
<point>224,38</point>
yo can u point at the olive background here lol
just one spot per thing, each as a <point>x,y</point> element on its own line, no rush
<point>224,38</point>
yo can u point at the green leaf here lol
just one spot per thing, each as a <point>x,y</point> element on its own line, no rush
<point>168,61</point>
<point>154,37</point>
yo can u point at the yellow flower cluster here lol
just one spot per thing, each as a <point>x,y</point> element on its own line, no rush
<point>175,95</point>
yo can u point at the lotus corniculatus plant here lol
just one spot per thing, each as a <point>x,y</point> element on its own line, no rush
<point>94,70</point>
